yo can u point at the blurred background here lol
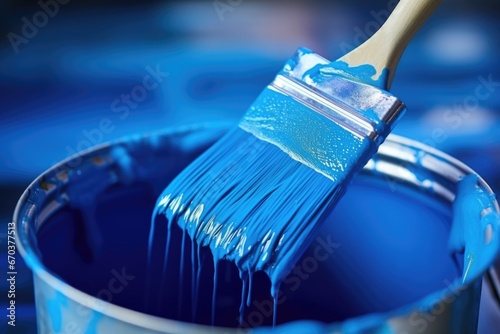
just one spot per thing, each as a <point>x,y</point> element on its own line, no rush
<point>74,74</point>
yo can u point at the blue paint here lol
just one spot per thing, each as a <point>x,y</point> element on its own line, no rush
<point>181,273</point>
<point>259,195</point>
<point>365,73</point>
<point>346,271</point>
<point>194,282</point>
<point>367,272</point>
<point>358,95</point>
<point>214,293</point>
<point>470,220</point>
<point>54,307</point>
<point>241,240</point>
<point>305,136</point>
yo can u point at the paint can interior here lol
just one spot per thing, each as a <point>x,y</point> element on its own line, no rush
<point>381,261</point>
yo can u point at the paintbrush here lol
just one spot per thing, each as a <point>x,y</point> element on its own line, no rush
<point>259,194</point>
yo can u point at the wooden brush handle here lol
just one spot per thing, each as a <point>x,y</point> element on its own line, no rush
<point>386,46</point>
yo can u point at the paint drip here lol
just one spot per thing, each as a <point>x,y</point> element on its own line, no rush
<point>238,241</point>
<point>259,195</point>
<point>353,277</point>
<point>248,196</point>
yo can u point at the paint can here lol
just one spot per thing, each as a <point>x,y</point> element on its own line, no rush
<point>383,274</point>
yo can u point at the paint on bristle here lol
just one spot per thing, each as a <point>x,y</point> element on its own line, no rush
<point>257,197</point>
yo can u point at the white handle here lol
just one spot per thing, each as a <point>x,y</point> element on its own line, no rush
<point>386,46</point>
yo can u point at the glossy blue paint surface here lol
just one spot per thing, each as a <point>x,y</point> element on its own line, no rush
<point>390,256</point>
<point>361,261</point>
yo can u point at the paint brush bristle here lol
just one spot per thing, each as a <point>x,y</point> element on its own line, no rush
<point>258,195</point>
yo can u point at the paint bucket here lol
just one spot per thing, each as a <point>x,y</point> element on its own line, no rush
<point>380,263</point>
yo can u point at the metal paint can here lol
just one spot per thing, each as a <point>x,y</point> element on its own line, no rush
<point>104,299</point>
